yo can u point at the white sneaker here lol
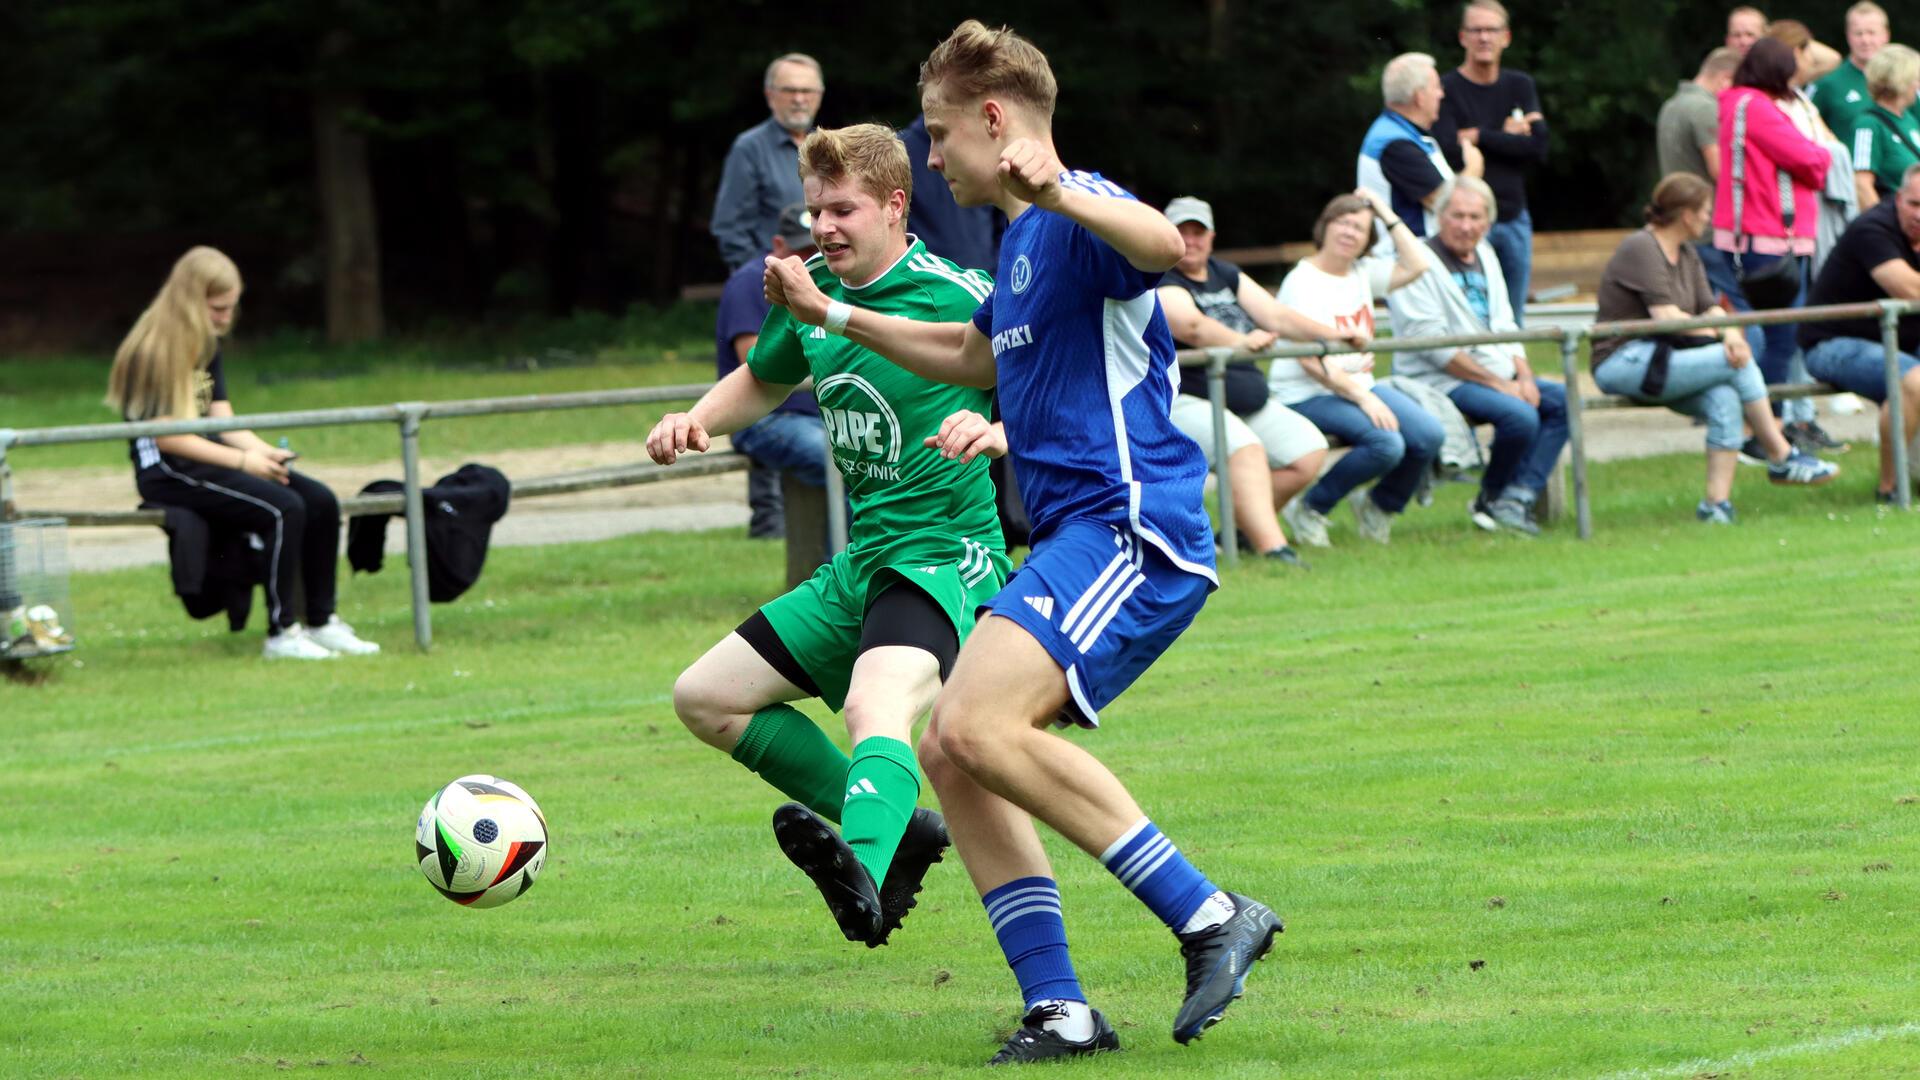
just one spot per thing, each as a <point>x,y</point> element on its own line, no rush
<point>294,643</point>
<point>340,638</point>
<point>1305,524</point>
<point>1375,524</point>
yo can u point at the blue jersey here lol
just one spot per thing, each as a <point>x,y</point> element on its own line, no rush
<point>1086,381</point>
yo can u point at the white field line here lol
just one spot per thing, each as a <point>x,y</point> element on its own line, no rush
<point>1826,1044</point>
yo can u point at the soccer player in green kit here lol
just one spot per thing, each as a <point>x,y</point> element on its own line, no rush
<point>874,632</point>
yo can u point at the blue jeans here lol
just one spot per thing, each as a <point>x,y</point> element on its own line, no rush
<point>1513,244</point>
<point>1855,364</point>
<point>1700,383</point>
<point>1526,440</point>
<point>1398,458</point>
<point>787,441</point>
<point>1774,347</point>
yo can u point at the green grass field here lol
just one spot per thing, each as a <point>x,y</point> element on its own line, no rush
<point>1642,807</point>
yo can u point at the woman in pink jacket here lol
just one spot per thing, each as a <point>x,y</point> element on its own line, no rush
<point>1770,228</point>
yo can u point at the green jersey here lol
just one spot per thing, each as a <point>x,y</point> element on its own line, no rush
<point>1884,145</point>
<point>1841,96</point>
<point>905,495</point>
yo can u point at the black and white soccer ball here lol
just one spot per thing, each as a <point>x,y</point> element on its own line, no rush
<point>481,841</point>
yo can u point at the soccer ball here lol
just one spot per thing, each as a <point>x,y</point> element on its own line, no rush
<point>481,841</point>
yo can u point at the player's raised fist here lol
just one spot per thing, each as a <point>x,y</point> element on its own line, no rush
<point>789,285</point>
<point>1029,173</point>
<point>675,434</point>
<point>966,435</point>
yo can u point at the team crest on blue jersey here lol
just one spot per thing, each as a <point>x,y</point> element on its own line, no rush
<point>1022,274</point>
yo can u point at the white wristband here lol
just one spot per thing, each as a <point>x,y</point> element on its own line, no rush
<point>837,316</point>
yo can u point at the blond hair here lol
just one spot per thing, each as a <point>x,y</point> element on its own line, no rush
<point>1791,31</point>
<point>156,371</point>
<point>1721,61</point>
<point>1892,71</point>
<point>871,154</point>
<point>1492,7</point>
<point>1867,7</point>
<point>975,62</point>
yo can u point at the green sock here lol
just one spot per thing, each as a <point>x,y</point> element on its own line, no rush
<point>883,783</point>
<point>790,752</point>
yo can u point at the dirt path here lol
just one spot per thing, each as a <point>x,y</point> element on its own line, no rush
<point>681,505</point>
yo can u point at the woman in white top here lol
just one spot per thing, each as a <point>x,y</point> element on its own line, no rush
<point>1393,439</point>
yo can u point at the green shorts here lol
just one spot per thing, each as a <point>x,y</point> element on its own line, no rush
<point>820,620</point>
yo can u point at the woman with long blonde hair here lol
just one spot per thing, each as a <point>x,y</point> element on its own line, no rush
<point>169,368</point>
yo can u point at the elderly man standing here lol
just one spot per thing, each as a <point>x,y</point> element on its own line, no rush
<point>1843,95</point>
<point>762,173</point>
<point>1400,160</point>
<point>1498,110</point>
<point>1490,384</point>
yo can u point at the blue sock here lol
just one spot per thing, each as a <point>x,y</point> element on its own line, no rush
<point>1025,914</point>
<point>1148,863</point>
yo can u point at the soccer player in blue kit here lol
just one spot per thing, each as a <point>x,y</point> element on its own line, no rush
<point>1122,554</point>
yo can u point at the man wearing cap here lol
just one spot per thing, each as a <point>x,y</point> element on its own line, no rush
<point>1273,453</point>
<point>762,173</point>
<point>791,438</point>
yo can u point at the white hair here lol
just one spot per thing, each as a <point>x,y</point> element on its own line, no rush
<point>1468,183</point>
<point>792,58</point>
<point>1406,75</point>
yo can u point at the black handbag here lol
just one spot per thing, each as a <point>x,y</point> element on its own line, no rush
<point>1775,285</point>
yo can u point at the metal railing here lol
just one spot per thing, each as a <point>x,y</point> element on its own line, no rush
<point>410,416</point>
<point>1886,312</point>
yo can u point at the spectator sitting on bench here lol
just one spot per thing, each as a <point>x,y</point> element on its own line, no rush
<point>169,368</point>
<point>1273,453</point>
<point>1466,293</point>
<point>791,437</point>
<point>1877,258</point>
<point>1656,274</point>
<point>1393,439</point>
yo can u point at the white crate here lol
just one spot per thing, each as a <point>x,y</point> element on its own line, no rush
<point>33,582</point>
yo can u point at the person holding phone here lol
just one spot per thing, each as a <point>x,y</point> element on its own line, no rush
<point>169,368</point>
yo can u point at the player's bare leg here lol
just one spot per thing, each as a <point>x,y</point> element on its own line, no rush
<point>718,695</point>
<point>989,721</point>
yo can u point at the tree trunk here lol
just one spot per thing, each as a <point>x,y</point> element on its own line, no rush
<point>350,226</point>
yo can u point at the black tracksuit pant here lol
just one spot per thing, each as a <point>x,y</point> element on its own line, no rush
<point>299,522</point>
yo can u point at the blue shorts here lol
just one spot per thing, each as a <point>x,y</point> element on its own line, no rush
<point>1104,604</point>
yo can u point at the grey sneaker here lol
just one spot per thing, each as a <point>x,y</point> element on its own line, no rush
<point>1712,513</point>
<point>1802,468</point>
<point>1375,524</point>
<point>1514,516</point>
<point>1308,526</point>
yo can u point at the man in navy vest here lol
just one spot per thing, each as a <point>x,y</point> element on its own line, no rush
<point>1400,160</point>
